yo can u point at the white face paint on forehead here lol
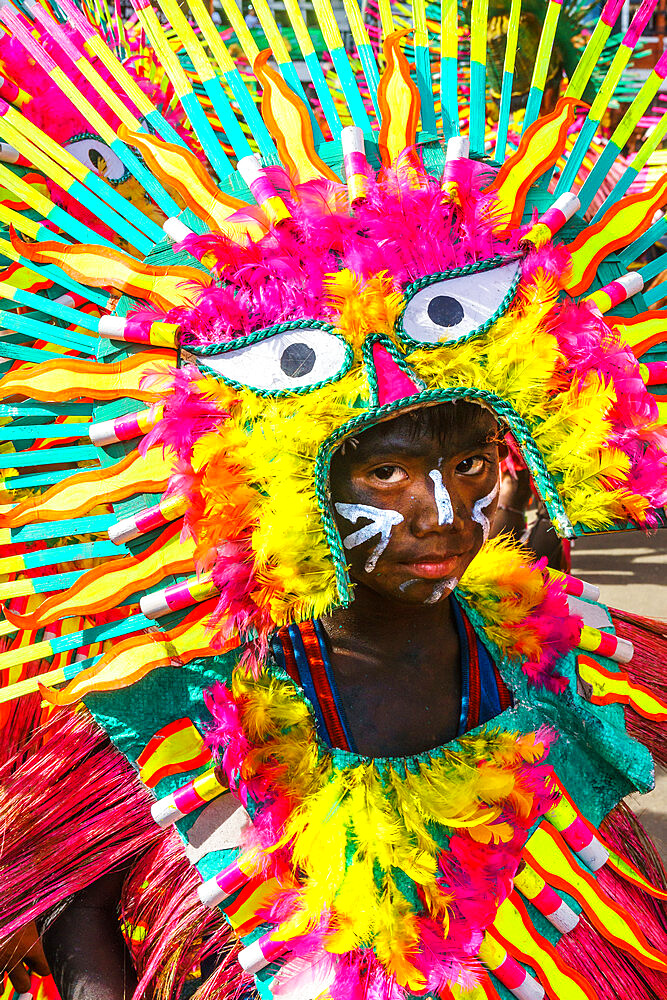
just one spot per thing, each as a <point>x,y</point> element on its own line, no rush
<point>382,521</point>
<point>480,506</point>
<point>443,501</point>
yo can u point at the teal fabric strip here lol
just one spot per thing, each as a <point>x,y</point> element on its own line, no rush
<point>357,107</point>
<point>228,119</point>
<point>99,633</point>
<point>450,109</point>
<point>56,581</point>
<point>204,131</point>
<point>47,456</point>
<point>163,128</point>
<point>532,107</point>
<point>41,303</point>
<point>323,93</point>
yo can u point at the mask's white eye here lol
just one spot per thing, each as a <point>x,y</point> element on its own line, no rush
<point>281,362</point>
<point>450,309</point>
<point>94,153</point>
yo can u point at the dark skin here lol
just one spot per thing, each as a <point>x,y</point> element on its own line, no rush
<point>395,650</point>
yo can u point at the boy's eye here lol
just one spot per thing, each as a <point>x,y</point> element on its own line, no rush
<point>388,473</point>
<point>472,466</point>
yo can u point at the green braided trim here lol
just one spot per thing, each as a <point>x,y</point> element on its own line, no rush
<point>531,453</point>
<point>460,272</point>
<point>371,374</point>
<point>209,350</point>
<point>477,332</point>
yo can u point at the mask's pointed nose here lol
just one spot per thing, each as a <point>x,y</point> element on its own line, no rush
<point>392,383</point>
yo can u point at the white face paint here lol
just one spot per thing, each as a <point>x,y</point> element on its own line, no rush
<point>443,501</point>
<point>441,588</point>
<point>382,521</point>
<point>480,506</point>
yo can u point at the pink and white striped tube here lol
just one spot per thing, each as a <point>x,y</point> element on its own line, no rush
<point>184,800</point>
<point>135,331</point>
<point>508,971</point>
<point>261,953</point>
<point>577,835</point>
<point>355,163</point>
<point>178,596</point>
<point>263,190</point>
<point>574,587</point>
<point>531,885</point>
<point>146,520</point>
<point>124,428</point>
<point>592,640</point>
<point>220,887</point>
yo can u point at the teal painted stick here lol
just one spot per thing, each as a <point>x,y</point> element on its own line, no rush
<point>46,331</point>
<point>350,89</point>
<point>31,482</point>
<point>45,410</point>
<point>370,71</point>
<point>47,456</point>
<point>425,85</point>
<point>204,130</point>
<point>18,353</point>
<point>71,553</point>
<point>56,309</point>
<point>150,183</point>
<point>227,118</point>
<point>60,277</point>
<point>478,30</point>
<point>60,529</point>
<point>508,80</point>
<point>291,78</point>
<point>252,116</point>
<point>323,93</point>
<point>31,432</point>
<point>646,240</point>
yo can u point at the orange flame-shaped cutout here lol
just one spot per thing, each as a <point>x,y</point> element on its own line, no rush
<point>133,658</point>
<point>69,378</point>
<point>178,167</point>
<point>620,225</point>
<point>288,122</point>
<point>399,102</point>
<point>108,585</point>
<point>83,491</point>
<point>541,145</point>
<point>102,267</point>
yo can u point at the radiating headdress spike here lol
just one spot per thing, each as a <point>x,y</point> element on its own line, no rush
<point>289,123</point>
<point>398,98</point>
<point>355,163</point>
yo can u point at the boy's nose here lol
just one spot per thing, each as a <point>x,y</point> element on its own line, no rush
<point>436,507</point>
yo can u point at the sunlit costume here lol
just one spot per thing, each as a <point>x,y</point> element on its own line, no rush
<point>382,270</point>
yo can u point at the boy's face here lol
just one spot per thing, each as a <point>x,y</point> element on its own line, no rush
<point>413,504</point>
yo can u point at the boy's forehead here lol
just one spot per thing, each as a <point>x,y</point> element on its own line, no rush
<point>418,433</point>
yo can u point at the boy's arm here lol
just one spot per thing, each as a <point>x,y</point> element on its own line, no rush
<point>85,948</point>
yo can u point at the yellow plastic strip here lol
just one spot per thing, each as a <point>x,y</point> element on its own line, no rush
<point>172,67</point>
<point>328,24</point>
<point>272,31</point>
<point>386,17</point>
<point>241,30</point>
<point>193,46</point>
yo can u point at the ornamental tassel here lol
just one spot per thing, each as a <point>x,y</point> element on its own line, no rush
<point>648,666</point>
<point>68,794</point>
<point>613,972</point>
<point>170,934</point>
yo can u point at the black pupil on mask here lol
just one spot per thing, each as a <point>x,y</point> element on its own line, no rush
<point>443,310</point>
<point>297,359</point>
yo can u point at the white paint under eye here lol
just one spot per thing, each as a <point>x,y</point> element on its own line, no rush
<point>480,506</point>
<point>443,501</point>
<point>382,521</point>
<point>441,588</point>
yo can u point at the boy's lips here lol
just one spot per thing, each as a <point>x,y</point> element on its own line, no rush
<point>434,567</point>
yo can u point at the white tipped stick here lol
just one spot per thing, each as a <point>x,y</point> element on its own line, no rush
<point>176,230</point>
<point>458,148</point>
